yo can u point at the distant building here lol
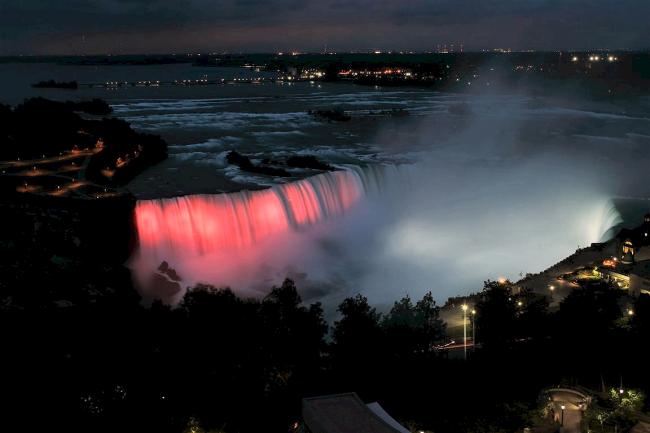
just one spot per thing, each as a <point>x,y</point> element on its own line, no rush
<point>630,240</point>
<point>630,268</point>
<point>627,252</point>
<point>640,278</point>
<point>346,413</point>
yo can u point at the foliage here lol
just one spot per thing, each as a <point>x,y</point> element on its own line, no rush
<point>628,401</point>
<point>593,305</point>
<point>218,361</point>
<point>358,329</point>
<point>414,328</point>
<point>496,314</point>
<point>641,320</point>
<point>617,408</point>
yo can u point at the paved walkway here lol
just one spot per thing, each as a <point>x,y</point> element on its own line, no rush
<point>573,410</point>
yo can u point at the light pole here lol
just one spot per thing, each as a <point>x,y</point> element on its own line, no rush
<point>464,307</point>
<point>562,420</point>
<point>474,329</point>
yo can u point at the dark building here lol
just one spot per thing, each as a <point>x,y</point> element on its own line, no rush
<point>346,413</point>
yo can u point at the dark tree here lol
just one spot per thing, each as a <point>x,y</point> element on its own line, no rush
<point>533,320</point>
<point>413,329</point>
<point>641,320</point>
<point>496,314</point>
<point>592,308</point>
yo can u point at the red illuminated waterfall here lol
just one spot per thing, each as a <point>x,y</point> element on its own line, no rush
<point>202,224</point>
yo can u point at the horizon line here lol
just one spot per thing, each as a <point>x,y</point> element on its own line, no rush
<point>295,53</point>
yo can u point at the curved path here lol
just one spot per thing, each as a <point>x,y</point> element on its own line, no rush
<point>574,403</point>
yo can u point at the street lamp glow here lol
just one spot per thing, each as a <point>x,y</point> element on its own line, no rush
<point>519,303</point>
<point>630,312</point>
<point>464,308</point>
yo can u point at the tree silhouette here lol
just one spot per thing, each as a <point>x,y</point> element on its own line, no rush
<point>496,314</point>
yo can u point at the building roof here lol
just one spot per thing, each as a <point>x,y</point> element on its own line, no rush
<point>381,413</point>
<point>345,413</point>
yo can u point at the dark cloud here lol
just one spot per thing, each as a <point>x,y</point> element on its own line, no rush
<point>122,26</point>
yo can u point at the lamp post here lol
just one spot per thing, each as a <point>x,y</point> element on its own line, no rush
<point>464,307</point>
<point>474,329</point>
<point>562,420</point>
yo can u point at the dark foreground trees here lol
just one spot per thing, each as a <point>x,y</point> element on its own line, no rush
<point>107,363</point>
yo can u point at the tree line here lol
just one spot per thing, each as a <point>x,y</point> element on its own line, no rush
<point>240,365</point>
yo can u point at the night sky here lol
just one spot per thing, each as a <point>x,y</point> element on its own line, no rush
<point>161,26</point>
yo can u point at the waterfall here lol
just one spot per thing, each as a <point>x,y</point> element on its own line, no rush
<point>610,221</point>
<point>370,229</point>
<point>196,225</point>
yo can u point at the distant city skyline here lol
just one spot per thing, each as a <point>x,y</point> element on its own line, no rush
<point>40,27</point>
